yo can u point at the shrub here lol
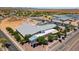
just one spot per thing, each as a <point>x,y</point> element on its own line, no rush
<point>26,38</point>
<point>68,28</point>
<point>52,37</point>
<point>22,41</point>
<point>17,37</point>
<point>10,30</point>
<point>41,40</point>
<point>57,28</point>
<point>65,33</point>
<point>14,33</point>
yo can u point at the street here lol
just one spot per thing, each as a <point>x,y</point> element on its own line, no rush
<point>12,47</point>
<point>75,47</point>
<point>68,44</point>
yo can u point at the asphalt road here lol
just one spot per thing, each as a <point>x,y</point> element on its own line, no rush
<point>75,47</point>
<point>12,47</point>
<point>71,43</point>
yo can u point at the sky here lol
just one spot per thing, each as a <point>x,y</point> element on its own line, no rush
<point>39,3</point>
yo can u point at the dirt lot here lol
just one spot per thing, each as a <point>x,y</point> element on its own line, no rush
<point>14,24</point>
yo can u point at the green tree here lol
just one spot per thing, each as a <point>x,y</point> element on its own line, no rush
<point>67,28</point>
<point>26,38</point>
<point>22,41</point>
<point>65,33</point>
<point>57,28</point>
<point>41,40</point>
<point>10,30</point>
<point>17,37</point>
<point>14,33</point>
<point>50,38</point>
<point>59,34</point>
<point>3,41</point>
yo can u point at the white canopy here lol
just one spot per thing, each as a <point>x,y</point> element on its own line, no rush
<point>34,37</point>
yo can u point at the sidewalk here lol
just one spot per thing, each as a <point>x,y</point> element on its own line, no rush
<point>57,45</point>
<point>12,40</point>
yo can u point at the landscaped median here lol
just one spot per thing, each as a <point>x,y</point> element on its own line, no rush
<point>19,48</point>
<point>3,46</point>
<point>17,36</point>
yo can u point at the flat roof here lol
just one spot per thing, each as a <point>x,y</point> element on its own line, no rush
<point>34,37</point>
<point>26,29</point>
<point>62,17</point>
<point>75,16</point>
